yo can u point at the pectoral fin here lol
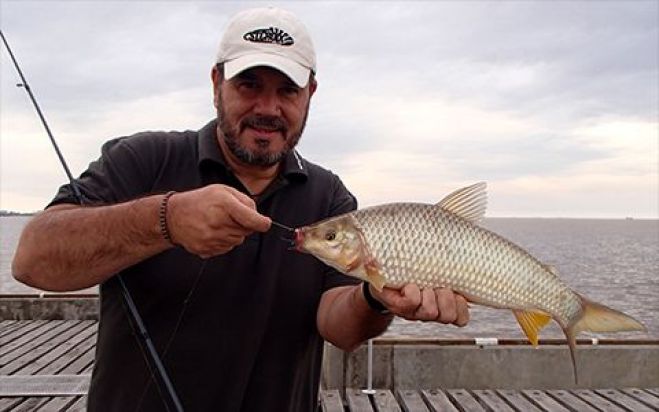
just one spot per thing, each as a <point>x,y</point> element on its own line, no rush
<point>370,264</point>
<point>531,323</point>
<point>374,277</point>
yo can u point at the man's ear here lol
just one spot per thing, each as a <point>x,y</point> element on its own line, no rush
<point>313,85</point>
<point>216,80</point>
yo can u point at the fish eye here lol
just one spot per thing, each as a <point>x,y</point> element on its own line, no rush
<point>330,235</point>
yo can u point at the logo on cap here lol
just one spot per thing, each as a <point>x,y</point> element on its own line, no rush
<point>269,35</point>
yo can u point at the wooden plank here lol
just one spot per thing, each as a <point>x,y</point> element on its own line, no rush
<point>25,329</point>
<point>623,400</point>
<point>58,403</point>
<point>330,401</point>
<point>654,391</point>
<point>66,364</point>
<point>90,366</point>
<point>517,400</point>
<point>384,401</point>
<point>81,405</point>
<point>465,400</point>
<point>438,401</point>
<point>30,404</point>
<point>30,340</point>
<point>596,400</point>
<point>44,385</point>
<point>62,352</point>
<point>643,396</point>
<point>83,363</point>
<point>7,326</point>
<point>411,400</point>
<point>545,401</point>
<point>358,401</point>
<point>493,401</point>
<point>571,401</point>
<point>32,354</point>
<point>7,404</point>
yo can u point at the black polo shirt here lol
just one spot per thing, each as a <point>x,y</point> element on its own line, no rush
<point>247,340</point>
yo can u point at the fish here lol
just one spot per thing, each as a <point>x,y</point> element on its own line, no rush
<point>443,245</point>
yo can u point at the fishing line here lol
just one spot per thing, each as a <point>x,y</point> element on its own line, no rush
<point>279,225</point>
<point>128,300</point>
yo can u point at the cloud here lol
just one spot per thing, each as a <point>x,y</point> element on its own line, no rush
<point>414,98</point>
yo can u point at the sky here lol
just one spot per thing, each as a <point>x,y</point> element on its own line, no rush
<point>554,104</point>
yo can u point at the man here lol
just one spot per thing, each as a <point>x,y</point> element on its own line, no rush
<point>185,218</point>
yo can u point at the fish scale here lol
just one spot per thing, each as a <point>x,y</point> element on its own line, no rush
<point>436,248</point>
<point>442,245</point>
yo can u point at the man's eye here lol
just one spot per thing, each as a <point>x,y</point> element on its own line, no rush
<point>290,91</point>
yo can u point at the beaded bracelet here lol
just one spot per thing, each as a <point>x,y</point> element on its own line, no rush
<point>162,217</point>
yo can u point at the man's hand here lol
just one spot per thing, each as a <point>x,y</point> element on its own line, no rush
<point>439,304</point>
<point>213,220</point>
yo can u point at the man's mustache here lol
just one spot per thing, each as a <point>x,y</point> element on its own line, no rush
<point>270,123</point>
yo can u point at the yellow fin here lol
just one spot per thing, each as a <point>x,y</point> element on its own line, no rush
<point>469,202</point>
<point>531,323</point>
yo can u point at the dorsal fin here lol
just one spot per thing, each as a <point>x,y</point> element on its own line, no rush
<point>469,202</point>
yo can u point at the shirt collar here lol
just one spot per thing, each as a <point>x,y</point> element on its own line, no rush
<point>209,150</point>
<point>294,166</point>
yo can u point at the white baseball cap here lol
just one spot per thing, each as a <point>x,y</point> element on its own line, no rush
<point>267,37</point>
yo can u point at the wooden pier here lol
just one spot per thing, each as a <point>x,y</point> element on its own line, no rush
<point>45,365</point>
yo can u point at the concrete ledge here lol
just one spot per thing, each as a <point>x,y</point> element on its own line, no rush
<point>420,365</point>
<point>49,307</point>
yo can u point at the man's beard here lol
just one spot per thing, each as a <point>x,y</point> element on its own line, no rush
<point>262,156</point>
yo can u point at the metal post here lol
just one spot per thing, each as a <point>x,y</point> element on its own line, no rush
<point>369,386</point>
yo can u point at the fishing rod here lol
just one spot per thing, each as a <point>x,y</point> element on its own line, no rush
<point>130,304</point>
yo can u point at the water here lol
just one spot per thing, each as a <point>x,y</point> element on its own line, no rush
<point>10,231</point>
<point>615,262</point>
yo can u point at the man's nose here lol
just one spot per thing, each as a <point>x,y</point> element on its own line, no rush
<point>268,103</point>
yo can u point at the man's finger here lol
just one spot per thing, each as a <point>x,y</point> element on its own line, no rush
<point>447,305</point>
<point>428,308</point>
<point>242,197</point>
<point>248,217</point>
<point>410,299</point>
<point>463,311</point>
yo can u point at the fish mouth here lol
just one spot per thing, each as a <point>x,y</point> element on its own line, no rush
<point>298,241</point>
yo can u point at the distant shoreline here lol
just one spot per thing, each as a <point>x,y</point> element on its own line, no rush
<point>8,213</point>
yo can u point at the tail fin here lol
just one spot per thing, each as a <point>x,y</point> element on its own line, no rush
<point>596,317</point>
<point>599,318</point>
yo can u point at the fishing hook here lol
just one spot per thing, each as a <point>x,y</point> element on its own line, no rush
<point>279,225</point>
<point>290,241</point>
